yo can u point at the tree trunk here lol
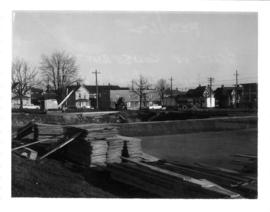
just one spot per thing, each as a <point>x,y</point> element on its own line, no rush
<point>21,102</point>
<point>140,101</point>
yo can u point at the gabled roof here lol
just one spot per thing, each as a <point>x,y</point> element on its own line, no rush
<point>129,95</point>
<point>249,84</point>
<point>197,92</point>
<point>174,92</point>
<point>223,90</point>
<point>37,90</point>
<point>23,97</point>
<point>50,96</point>
<point>252,86</point>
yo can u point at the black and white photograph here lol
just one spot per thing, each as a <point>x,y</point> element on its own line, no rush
<point>125,104</point>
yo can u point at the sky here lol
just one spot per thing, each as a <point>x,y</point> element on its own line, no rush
<point>187,46</point>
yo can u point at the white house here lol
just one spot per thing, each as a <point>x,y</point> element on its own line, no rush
<point>132,99</point>
<point>26,100</point>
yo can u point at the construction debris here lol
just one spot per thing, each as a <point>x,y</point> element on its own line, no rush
<point>248,163</point>
<point>102,146</point>
<point>166,183</point>
<point>87,145</point>
<point>28,153</point>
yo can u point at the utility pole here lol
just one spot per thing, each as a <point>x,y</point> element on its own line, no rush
<point>96,73</point>
<point>236,87</point>
<point>171,79</point>
<point>211,80</point>
<point>132,85</point>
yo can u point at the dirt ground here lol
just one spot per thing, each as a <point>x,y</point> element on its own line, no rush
<point>53,178</point>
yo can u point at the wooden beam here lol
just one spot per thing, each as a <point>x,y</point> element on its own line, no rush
<point>30,144</point>
<point>215,168</point>
<point>199,182</point>
<point>254,157</point>
<point>25,130</point>
<point>61,145</point>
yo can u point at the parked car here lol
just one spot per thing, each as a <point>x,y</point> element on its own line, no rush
<point>155,107</point>
<point>31,107</point>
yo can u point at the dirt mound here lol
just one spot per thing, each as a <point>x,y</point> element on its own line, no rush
<point>49,179</point>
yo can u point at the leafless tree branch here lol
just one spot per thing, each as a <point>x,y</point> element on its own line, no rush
<point>23,78</point>
<point>161,87</point>
<point>60,70</point>
<point>140,88</point>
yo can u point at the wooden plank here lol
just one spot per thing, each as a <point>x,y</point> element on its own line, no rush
<point>221,180</point>
<point>27,153</point>
<point>30,144</point>
<point>25,130</point>
<point>131,172</point>
<point>205,184</point>
<point>246,156</point>
<point>141,184</point>
<point>61,146</point>
<point>148,175</point>
<point>150,181</point>
<point>218,173</point>
<point>215,168</point>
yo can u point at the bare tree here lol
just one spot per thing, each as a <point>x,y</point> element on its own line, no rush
<point>60,71</point>
<point>140,87</point>
<point>161,87</point>
<point>23,78</point>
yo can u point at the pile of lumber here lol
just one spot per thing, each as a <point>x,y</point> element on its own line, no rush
<point>27,131</point>
<point>100,144</point>
<point>115,148</point>
<point>104,145</point>
<point>49,130</point>
<point>245,185</point>
<point>91,152</point>
<point>98,152</point>
<point>194,180</point>
<point>87,153</point>
<point>100,133</point>
<point>88,145</point>
<point>166,183</point>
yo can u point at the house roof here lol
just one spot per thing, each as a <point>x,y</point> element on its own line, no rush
<point>223,90</point>
<point>129,95</point>
<point>36,90</point>
<point>50,96</point>
<point>197,92</point>
<point>101,88</point>
<point>175,92</point>
<point>23,97</point>
<point>252,86</point>
<point>249,84</point>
